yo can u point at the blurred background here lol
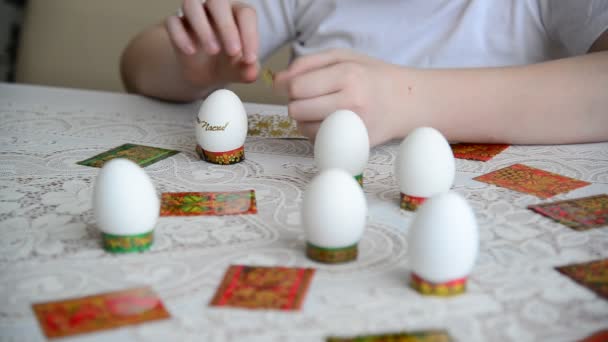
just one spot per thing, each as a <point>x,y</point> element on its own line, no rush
<point>78,43</point>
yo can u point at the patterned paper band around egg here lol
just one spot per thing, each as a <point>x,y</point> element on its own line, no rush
<point>331,255</point>
<point>222,158</point>
<point>411,202</point>
<point>450,288</point>
<point>127,243</point>
<point>359,179</point>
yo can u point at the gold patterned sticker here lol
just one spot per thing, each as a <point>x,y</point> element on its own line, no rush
<point>273,126</point>
<point>268,77</point>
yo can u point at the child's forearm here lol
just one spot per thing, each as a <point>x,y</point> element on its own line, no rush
<point>562,101</point>
<point>149,66</point>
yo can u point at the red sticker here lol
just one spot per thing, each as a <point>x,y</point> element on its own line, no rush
<point>593,275</point>
<point>600,336</point>
<point>481,152</point>
<point>578,214</point>
<point>248,287</point>
<point>99,312</point>
<point>532,181</point>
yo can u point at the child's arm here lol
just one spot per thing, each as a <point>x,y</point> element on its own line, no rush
<point>556,102</point>
<point>189,56</point>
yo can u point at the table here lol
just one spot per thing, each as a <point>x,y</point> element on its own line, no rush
<point>50,246</point>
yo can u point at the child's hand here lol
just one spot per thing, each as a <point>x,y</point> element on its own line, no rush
<point>317,85</point>
<point>215,41</point>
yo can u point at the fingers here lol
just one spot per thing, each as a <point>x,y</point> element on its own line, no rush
<point>198,21</point>
<point>246,20</point>
<point>216,25</point>
<point>248,73</point>
<point>220,14</point>
<point>317,61</point>
<point>315,109</point>
<point>315,83</point>
<point>179,36</point>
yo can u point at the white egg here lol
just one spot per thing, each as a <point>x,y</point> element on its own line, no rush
<point>334,214</point>
<point>425,163</point>
<point>221,127</point>
<point>342,142</point>
<point>443,239</point>
<point>125,201</point>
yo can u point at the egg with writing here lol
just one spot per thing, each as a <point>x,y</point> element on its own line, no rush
<point>125,205</point>
<point>342,142</point>
<point>334,213</point>
<point>443,239</point>
<point>221,128</point>
<point>425,165</point>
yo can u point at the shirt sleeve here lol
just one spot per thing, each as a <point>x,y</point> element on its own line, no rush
<point>574,24</point>
<point>276,24</point>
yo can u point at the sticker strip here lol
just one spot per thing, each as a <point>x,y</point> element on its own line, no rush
<point>208,203</point>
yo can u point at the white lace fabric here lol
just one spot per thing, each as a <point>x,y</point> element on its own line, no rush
<point>50,246</point>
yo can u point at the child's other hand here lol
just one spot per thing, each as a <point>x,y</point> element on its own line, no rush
<point>319,84</point>
<point>216,40</point>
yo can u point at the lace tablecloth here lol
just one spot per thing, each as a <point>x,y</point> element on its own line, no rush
<point>50,246</point>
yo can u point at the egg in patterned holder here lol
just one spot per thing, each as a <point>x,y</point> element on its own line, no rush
<point>126,207</point>
<point>221,128</point>
<point>334,212</point>
<point>342,142</point>
<point>443,241</point>
<point>425,166</point>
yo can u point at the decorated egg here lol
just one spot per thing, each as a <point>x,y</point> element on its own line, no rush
<point>342,142</point>
<point>443,243</point>
<point>126,206</point>
<point>424,166</point>
<point>334,213</point>
<point>221,128</point>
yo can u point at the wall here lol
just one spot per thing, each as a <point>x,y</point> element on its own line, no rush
<point>78,43</point>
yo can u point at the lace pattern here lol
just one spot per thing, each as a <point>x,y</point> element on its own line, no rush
<point>50,247</point>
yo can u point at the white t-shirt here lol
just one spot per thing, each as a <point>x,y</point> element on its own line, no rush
<point>435,33</point>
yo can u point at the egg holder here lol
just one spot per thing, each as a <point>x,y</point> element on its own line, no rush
<point>447,289</point>
<point>411,203</point>
<point>222,158</point>
<point>359,179</point>
<point>127,243</point>
<point>331,255</point>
